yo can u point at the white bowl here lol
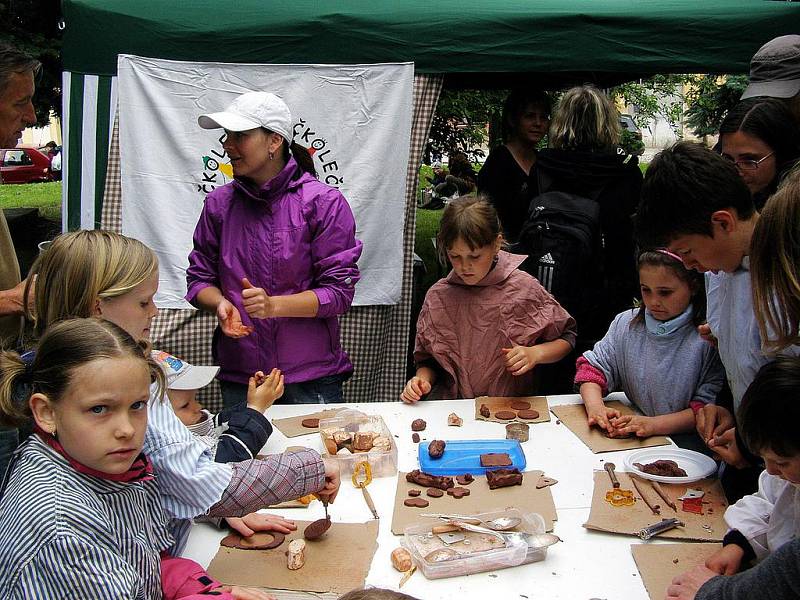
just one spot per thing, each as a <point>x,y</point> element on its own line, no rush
<point>697,466</point>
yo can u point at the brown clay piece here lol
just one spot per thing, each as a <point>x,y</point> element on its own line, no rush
<point>415,437</point>
<point>454,420</point>
<point>434,492</point>
<point>310,423</point>
<point>330,445</point>
<point>484,411</point>
<point>465,479</point>
<point>528,415</point>
<point>316,529</point>
<point>495,459</point>
<point>503,478</point>
<point>436,448</point>
<point>362,441</point>
<point>414,493</point>
<point>505,415</point>
<point>458,492</point>
<point>428,480</point>
<point>264,540</point>
<point>664,468</point>
<point>416,502</point>
<point>520,405</point>
<point>418,425</point>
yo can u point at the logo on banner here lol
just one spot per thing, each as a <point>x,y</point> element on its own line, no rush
<point>215,172</point>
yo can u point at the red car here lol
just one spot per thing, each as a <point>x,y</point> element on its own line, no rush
<point>24,165</point>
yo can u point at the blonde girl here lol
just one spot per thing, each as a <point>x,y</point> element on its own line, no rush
<point>484,328</point>
<point>103,274</point>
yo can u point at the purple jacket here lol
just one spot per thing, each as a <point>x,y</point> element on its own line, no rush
<point>291,235</point>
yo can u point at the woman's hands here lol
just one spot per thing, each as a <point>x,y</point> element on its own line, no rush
<point>263,390</point>
<point>256,302</point>
<point>230,321</point>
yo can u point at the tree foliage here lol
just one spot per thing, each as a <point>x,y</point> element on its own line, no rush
<point>709,98</point>
<point>461,120</point>
<point>660,95</point>
<point>33,26</point>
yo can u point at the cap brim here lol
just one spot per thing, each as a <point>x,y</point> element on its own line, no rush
<point>194,378</point>
<point>772,89</point>
<point>226,120</point>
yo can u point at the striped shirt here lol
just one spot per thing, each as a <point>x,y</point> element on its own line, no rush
<point>65,534</point>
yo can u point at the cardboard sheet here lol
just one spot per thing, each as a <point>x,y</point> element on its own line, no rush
<point>658,564</point>
<point>630,519</point>
<point>574,417</point>
<point>292,426</point>
<point>495,403</point>
<point>336,563</point>
<point>481,499</point>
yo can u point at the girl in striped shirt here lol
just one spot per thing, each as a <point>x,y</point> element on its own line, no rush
<point>80,514</point>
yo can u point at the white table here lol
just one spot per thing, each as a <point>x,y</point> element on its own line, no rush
<point>588,564</point>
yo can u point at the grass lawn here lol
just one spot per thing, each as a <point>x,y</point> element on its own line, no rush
<point>44,196</point>
<point>427,228</point>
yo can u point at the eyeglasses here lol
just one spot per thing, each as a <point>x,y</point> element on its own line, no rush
<point>748,165</point>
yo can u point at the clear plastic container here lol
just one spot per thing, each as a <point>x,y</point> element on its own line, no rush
<point>382,459</point>
<point>478,552</point>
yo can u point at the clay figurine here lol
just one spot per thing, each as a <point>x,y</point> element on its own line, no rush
<point>418,425</point>
<point>503,478</point>
<point>436,448</point>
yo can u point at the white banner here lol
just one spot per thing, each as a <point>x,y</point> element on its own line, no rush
<point>356,119</point>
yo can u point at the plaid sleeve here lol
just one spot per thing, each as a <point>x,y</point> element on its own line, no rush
<point>257,484</point>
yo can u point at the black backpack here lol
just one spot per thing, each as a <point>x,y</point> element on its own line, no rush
<point>564,243</point>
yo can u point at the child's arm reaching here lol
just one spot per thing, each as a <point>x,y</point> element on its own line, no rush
<point>419,385</point>
<point>642,426</point>
<point>597,413</point>
<point>262,390</point>
<point>521,359</point>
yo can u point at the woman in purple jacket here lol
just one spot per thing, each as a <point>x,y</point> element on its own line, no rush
<point>274,258</point>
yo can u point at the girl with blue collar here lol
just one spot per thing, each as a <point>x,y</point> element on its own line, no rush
<point>655,355</point>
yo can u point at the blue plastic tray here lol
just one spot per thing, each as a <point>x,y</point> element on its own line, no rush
<point>464,456</point>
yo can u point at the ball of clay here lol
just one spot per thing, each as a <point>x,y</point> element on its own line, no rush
<point>436,448</point>
<point>415,437</point>
<point>418,425</point>
<point>484,411</point>
<point>401,559</point>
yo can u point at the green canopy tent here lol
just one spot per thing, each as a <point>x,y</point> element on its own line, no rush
<point>466,43</point>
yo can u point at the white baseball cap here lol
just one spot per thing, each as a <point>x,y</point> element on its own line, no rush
<point>250,111</point>
<point>183,376</point>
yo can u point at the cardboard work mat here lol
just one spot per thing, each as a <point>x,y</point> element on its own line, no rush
<point>293,426</point>
<point>481,499</point>
<point>338,562</point>
<point>630,519</point>
<point>495,403</point>
<point>574,417</point>
<point>659,564</point>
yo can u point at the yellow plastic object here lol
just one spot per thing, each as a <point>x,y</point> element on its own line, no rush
<point>307,499</point>
<point>618,497</point>
<point>362,466</point>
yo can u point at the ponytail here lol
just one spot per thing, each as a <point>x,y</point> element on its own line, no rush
<point>14,373</point>
<point>301,156</point>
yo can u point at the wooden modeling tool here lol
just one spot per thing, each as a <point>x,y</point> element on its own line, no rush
<point>364,467</point>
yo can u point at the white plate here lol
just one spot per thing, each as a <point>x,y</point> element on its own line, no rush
<point>697,466</point>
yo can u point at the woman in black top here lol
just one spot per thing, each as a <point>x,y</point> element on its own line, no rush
<point>505,178</point>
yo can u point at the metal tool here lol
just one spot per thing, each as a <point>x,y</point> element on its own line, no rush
<point>363,483</point>
<point>659,527</point>
<point>497,524</point>
<point>325,505</point>
<point>609,467</point>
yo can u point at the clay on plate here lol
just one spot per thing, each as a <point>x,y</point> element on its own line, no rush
<point>414,493</point>
<point>418,425</point>
<point>436,448</point>
<point>415,437</point>
<point>503,478</point>
<point>416,502</point>
<point>495,459</point>
<point>458,492</point>
<point>264,540</point>
<point>484,411</point>
<point>664,468</point>
<point>310,423</point>
<point>505,415</point>
<point>428,480</point>
<point>520,405</point>
<point>316,529</point>
<point>465,479</point>
<point>434,492</point>
<point>528,415</point>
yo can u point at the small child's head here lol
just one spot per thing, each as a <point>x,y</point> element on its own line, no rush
<point>769,414</point>
<point>775,265</point>
<point>375,594</point>
<point>183,381</point>
<point>469,237</point>
<point>96,273</point>
<point>694,203</point>
<point>668,287</point>
<point>88,386</point>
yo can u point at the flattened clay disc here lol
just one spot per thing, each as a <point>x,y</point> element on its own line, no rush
<point>265,540</point>
<point>505,415</point>
<point>416,502</point>
<point>520,405</point>
<point>316,529</point>
<point>414,493</point>
<point>434,492</point>
<point>528,415</point>
<point>458,492</point>
<point>464,479</point>
<point>310,423</point>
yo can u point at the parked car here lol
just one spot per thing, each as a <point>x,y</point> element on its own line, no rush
<point>631,135</point>
<point>24,165</point>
